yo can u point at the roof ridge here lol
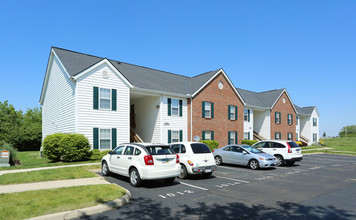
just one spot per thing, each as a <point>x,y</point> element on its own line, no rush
<point>77,52</point>
<point>270,90</point>
<point>205,73</point>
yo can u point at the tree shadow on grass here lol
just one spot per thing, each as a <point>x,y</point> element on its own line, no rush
<point>147,209</point>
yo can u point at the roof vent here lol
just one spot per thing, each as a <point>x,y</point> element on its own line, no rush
<point>105,74</point>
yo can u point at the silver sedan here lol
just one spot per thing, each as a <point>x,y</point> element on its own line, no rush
<point>244,155</point>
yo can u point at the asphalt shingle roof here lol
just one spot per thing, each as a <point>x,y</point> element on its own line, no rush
<point>260,99</point>
<point>141,77</point>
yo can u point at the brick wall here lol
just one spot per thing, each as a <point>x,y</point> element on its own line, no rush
<point>220,124</point>
<point>284,108</point>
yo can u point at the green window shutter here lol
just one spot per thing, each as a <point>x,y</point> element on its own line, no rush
<point>114,137</point>
<point>228,138</point>
<point>169,136</point>
<point>212,109</point>
<point>180,135</point>
<point>96,138</point>
<point>291,118</point>
<point>203,135</point>
<point>180,108</point>
<point>95,97</point>
<point>248,118</point>
<point>203,109</point>
<point>248,136</point>
<point>275,136</point>
<point>291,135</point>
<point>280,118</point>
<point>236,137</point>
<point>228,112</point>
<point>114,99</point>
<point>212,135</point>
<point>236,110</point>
<point>169,106</point>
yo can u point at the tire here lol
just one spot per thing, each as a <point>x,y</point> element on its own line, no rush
<point>218,160</point>
<point>105,169</point>
<point>183,172</point>
<point>290,163</point>
<point>280,160</point>
<point>135,179</point>
<point>207,175</point>
<point>253,164</point>
<point>169,180</point>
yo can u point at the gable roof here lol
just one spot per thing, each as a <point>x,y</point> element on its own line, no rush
<point>306,111</point>
<point>265,99</point>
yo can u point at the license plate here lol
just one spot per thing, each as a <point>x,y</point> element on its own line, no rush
<point>208,170</point>
<point>165,160</point>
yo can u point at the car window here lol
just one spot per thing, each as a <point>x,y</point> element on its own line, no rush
<point>129,150</point>
<point>227,149</point>
<point>292,144</point>
<point>237,149</point>
<point>182,149</point>
<point>119,150</point>
<point>200,148</point>
<point>278,145</point>
<point>159,150</point>
<point>260,145</point>
<point>137,151</point>
<point>176,147</point>
<point>251,149</point>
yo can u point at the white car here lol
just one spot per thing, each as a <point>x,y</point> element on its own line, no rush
<point>286,152</point>
<point>195,158</point>
<point>142,161</point>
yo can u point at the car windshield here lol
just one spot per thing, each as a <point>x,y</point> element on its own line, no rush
<point>292,144</point>
<point>252,149</point>
<point>199,148</point>
<point>159,150</point>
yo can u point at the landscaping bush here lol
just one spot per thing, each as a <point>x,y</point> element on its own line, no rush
<point>74,147</point>
<point>249,142</point>
<point>51,147</point>
<point>105,152</point>
<point>211,144</point>
<point>96,154</point>
<point>13,151</point>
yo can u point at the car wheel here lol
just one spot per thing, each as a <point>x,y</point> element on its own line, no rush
<point>290,163</point>
<point>218,160</point>
<point>135,179</point>
<point>105,169</point>
<point>169,180</point>
<point>206,175</point>
<point>253,164</point>
<point>280,160</point>
<point>183,172</point>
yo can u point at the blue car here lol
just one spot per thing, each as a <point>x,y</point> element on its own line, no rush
<point>244,155</point>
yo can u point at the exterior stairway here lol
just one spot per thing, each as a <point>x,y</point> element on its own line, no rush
<point>257,136</point>
<point>134,138</point>
<point>304,140</point>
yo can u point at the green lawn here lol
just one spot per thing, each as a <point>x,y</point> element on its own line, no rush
<point>48,175</point>
<point>42,202</point>
<point>339,146</point>
<point>31,159</point>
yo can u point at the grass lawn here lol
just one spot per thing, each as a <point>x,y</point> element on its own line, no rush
<point>42,202</point>
<point>347,145</point>
<point>48,175</point>
<point>31,159</point>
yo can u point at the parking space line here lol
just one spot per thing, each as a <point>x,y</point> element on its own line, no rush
<point>240,169</point>
<point>289,168</point>
<point>329,159</point>
<point>243,181</point>
<point>193,186</point>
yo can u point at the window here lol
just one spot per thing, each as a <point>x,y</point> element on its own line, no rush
<point>232,137</point>
<point>175,136</point>
<point>208,109</point>
<point>175,107</point>
<point>290,119</point>
<point>290,136</point>
<point>277,116</point>
<point>200,148</point>
<point>297,120</point>
<point>129,150</point>
<point>232,114</point>
<point>105,140</point>
<point>277,135</point>
<point>137,151</point>
<point>227,149</point>
<point>247,115</point>
<point>246,135</point>
<point>208,135</point>
<point>105,98</point>
<point>237,149</point>
<point>315,137</point>
<point>119,150</point>
<point>178,148</point>
<point>315,122</point>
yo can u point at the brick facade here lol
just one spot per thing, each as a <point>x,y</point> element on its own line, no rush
<point>220,124</point>
<point>285,107</point>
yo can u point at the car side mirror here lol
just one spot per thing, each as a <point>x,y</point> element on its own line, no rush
<point>111,152</point>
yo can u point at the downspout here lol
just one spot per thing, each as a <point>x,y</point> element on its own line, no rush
<point>191,119</point>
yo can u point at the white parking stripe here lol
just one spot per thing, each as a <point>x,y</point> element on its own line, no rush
<point>193,186</point>
<point>289,168</point>
<point>243,181</point>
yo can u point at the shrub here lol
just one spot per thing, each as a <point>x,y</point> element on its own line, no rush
<point>13,151</point>
<point>249,142</point>
<point>74,147</point>
<point>105,152</point>
<point>95,154</point>
<point>212,144</point>
<point>51,147</point>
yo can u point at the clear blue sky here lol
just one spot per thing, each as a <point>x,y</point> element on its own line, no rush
<point>307,47</point>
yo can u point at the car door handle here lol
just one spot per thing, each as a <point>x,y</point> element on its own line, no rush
<point>129,158</point>
<point>118,157</point>
<point>274,149</point>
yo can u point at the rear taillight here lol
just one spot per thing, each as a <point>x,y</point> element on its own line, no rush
<point>148,160</point>
<point>177,160</point>
<point>289,148</point>
<point>213,150</point>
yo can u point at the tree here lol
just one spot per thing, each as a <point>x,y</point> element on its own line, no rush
<point>348,131</point>
<point>10,121</point>
<point>324,135</point>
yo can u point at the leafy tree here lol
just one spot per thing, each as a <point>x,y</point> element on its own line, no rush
<point>10,121</point>
<point>348,131</point>
<point>324,135</point>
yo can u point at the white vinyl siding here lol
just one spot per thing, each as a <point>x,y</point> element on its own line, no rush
<point>58,108</point>
<point>88,118</point>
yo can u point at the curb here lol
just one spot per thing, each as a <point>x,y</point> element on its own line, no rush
<point>87,211</point>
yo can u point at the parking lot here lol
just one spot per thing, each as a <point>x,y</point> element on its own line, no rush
<point>319,187</point>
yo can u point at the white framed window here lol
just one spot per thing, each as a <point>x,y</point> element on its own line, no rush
<point>247,115</point>
<point>175,107</point>
<point>315,137</point>
<point>105,98</point>
<point>232,112</point>
<point>207,135</point>
<point>232,137</point>
<point>207,110</point>
<point>297,120</point>
<point>277,135</point>
<point>105,139</point>
<point>246,135</point>
<point>175,136</point>
<point>290,136</point>
<point>315,122</point>
<point>277,117</point>
<point>290,119</point>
